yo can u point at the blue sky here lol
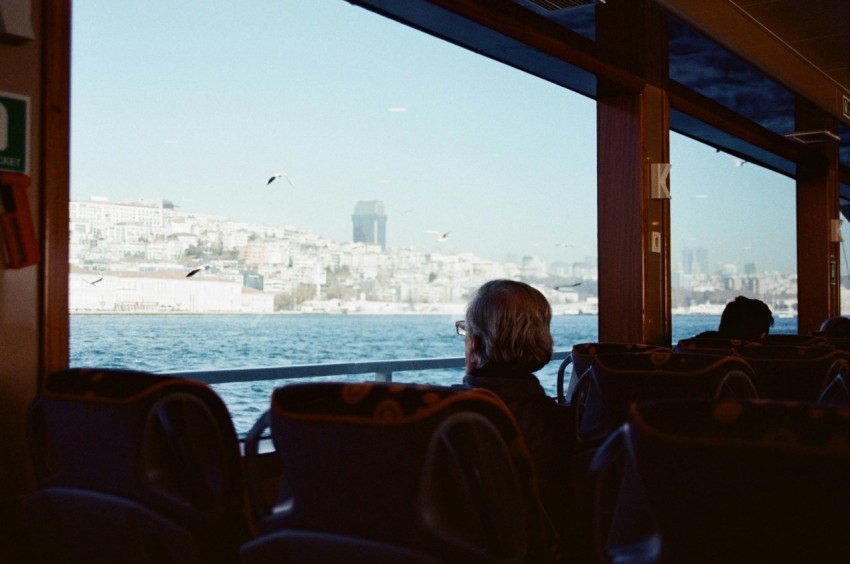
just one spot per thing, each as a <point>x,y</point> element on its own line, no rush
<point>201,102</point>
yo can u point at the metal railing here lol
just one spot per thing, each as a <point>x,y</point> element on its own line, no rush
<point>382,369</point>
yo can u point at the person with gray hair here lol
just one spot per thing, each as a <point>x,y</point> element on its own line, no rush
<point>507,327</point>
<point>507,339</point>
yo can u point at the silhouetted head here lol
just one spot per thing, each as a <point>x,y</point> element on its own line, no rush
<point>838,327</point>
<point>507,325</point>
<point>745,318</point>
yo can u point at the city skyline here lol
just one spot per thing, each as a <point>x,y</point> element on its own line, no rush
<point>701,256</point>
<point>693,261</point>
<point>373,111</point>
<point>147,256</point>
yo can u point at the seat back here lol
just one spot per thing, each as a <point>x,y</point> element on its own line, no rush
<point>708,345</point>
<point>289,546</point>
<point>76,525</point>
<point>836,391</point>
<point>125,438</point>
<point>792,372</point>
<point>582,356</point>
<point>310,547</point>
<point>614,381</point>
<point>411,466</point>
<point>740,481</point>
<point>841,343</point>
<point>797,340</point>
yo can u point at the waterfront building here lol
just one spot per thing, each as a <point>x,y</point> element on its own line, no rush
<point>162,292</point>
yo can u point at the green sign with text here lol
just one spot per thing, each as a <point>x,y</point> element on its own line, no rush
<point>14,131</point>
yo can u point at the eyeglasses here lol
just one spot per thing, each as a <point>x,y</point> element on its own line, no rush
<point>460,327</point>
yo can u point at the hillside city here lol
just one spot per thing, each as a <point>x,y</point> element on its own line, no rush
<point>146,256</point>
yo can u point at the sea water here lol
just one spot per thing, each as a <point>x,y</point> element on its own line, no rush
<point>164,343</point>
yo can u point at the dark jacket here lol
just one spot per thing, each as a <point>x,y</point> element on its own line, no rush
<point>546,433</point>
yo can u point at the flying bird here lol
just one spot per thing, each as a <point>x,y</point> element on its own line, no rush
<point>93,282</point>
<point>194,271</point>
<point>563,245</point>
<point>564,286</point>
<point>440,237</point>
<point>279,175</point>
<point>739,162</point>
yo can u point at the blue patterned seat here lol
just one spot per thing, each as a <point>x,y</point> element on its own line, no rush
<point>797,373</point>
<point>581,357</point>
<point>438,470</point>
<point>133,467</point>
<point>614,381</point>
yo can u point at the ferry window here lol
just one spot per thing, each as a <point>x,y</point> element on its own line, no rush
<point>733,232</point>
<point>271,183</point>
<point>845,267</point>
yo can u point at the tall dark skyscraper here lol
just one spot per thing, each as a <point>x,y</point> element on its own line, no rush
<point>370,223</point>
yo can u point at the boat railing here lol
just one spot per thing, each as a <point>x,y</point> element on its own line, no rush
<point>382,370</point>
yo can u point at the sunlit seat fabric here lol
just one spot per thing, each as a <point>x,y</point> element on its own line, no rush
<point>439,470</point>
<point>705,481</point>
<point>125,439</point>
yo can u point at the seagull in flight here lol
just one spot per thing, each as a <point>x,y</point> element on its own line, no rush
<point>194,271</point>
<point>281,175</point>
<point>563,245</point>
<point>94,282</point>
<point>739,162</point>
<point>564,286</point>
<point>440,236</point>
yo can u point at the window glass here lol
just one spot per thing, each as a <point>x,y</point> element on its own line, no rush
<point>845,266</point>
<point>267,183</point>
<point>733,232</point>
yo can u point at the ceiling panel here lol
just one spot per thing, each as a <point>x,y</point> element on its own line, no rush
<point>817,29</point>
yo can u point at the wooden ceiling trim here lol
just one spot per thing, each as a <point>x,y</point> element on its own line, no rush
<point>548,37</point>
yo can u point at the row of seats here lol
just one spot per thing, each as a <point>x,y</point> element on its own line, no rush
<point>796,367</point>
<point>678,460</point>
<point>136,467</point>
<point>608,377</point>
<point>708,481</point>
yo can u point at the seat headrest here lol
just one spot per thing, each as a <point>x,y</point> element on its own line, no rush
<point>163,441</point>
<point>358,457</point>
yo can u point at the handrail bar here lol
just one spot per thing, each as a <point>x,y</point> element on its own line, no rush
<point>383,369</point>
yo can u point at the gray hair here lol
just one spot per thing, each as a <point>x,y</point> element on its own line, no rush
<point>511,320</point>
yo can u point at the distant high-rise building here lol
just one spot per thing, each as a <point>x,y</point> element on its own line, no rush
<point>702,260</point>
<point>688,261</point>
<point>695,262</point>
<point>370,223</point>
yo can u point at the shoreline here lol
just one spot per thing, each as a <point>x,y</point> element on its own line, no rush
<point>321,314</point>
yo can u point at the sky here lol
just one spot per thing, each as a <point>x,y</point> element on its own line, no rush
<point>201,102</point>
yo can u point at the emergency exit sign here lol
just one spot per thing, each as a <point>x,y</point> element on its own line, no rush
<point>14,132</point>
